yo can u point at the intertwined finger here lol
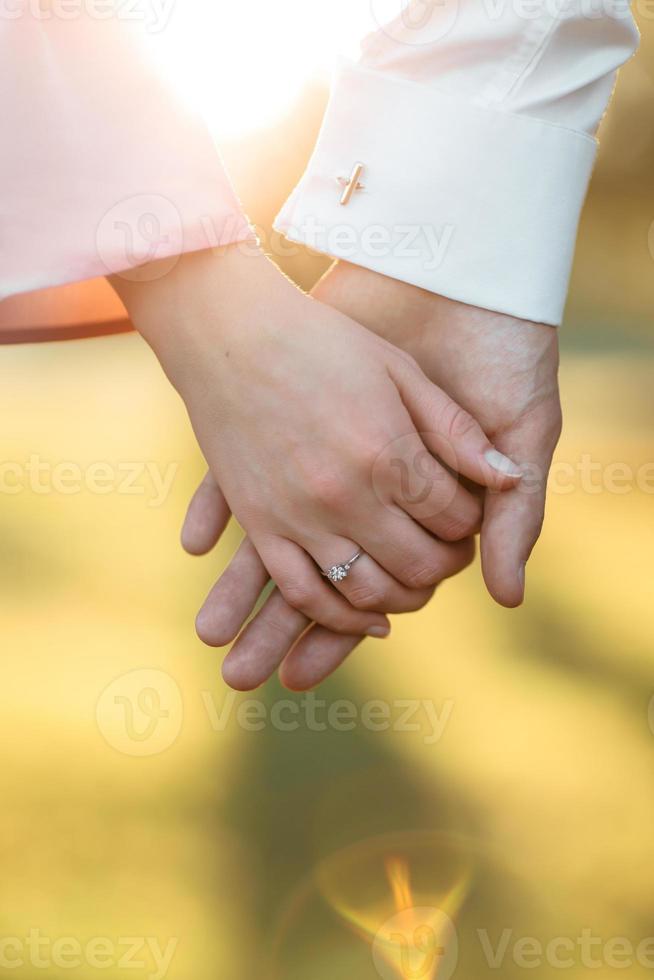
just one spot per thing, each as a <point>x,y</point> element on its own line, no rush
<point>233,597</point>
<point>425,490</point>
<point>263,644</point>
<point>365,585</point>
<point>411,555</point>
<point>301,584</point>
<point>452,433</point>
<point>316,654</point>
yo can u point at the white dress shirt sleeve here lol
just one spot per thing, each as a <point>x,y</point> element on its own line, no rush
<point>475,124</point>
<point>101,169</point>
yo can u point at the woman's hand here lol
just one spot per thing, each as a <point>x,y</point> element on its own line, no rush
<point>314,429</point>
<point>278,636</point>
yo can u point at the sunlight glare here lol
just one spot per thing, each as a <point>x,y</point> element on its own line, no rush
<point>243,64</point>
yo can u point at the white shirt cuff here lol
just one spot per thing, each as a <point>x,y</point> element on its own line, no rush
<point>472,203</point>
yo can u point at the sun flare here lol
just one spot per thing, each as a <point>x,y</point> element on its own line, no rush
<point>242,65</point>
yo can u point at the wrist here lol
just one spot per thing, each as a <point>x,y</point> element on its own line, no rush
<point>210,304</point>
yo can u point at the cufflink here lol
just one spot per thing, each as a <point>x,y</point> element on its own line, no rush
<point>351,184</point>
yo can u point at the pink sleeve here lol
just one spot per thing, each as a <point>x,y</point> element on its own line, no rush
<point>101,168</point>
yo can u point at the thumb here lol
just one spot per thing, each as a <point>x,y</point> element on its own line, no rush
<point>513,520</point>
<point>511,527</point>
<point>451,433</point>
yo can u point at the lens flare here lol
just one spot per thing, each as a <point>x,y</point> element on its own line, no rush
<point>402,894</point>
<point>244,65</point>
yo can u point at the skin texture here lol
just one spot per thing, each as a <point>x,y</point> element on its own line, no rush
<point>311,423</point>
<point>502,370</point>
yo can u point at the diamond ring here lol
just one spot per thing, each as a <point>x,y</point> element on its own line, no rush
<point>337,573</point>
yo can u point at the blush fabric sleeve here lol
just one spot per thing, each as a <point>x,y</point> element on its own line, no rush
<point>102,169</point>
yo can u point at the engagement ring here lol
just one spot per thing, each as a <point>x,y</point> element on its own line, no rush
<point>339,572</point>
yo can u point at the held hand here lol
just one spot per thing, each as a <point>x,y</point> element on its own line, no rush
<point>295,407</point>
<point>278,636</point>
<point>504,371</point>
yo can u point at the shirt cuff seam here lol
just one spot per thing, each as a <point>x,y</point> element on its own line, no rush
<point>346,64</point>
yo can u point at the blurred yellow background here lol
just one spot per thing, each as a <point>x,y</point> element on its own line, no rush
<point>144,815</point>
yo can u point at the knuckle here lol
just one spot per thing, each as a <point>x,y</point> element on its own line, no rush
<point>459,557</point>
<point>454,527</point>
<point>371,453</point>
<point>421,575</point>
<point>409,359</point>
<point>456,422</point>
<point>367,597</point>
<point>329,490</point>
<point>278,627</point>
<point>297,595</point>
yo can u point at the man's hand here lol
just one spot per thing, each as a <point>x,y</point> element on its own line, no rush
<point>502,370</point>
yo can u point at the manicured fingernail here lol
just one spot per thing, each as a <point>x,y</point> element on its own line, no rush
<point>379,632</point>
<point>502,463</point>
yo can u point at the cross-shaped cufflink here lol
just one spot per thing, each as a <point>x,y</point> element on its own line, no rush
<point>351,184</point>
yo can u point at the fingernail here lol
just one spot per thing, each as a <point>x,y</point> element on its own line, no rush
<point>502,463</point>
<point>379,632</point>
<point>521,577</point>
